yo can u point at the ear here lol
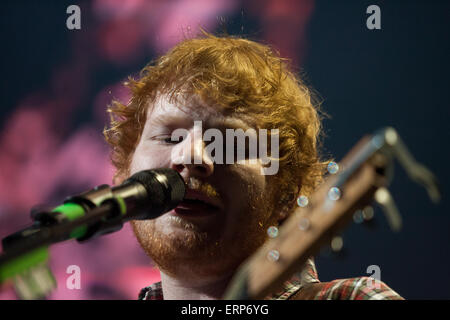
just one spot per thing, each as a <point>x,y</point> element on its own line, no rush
<point>287,211</point>
<point>286,207</point>
<point>282,215</point>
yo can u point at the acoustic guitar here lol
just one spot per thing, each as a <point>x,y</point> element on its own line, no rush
<point>358,180</point>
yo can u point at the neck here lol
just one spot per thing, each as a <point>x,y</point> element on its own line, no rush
<point>175,288</point>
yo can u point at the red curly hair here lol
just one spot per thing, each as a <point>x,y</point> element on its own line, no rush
<point>242,77</point>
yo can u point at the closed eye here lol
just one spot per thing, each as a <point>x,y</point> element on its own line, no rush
<point>168,139</point>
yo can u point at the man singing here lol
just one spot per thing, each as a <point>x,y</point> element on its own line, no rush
<point>220,85</point>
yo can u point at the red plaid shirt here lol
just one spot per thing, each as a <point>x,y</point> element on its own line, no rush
<point>360,288</point>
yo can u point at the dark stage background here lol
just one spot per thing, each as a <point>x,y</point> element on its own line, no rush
<point>56,84</point>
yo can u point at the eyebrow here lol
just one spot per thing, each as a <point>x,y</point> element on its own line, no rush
<point>232,123</point>
<point>170,119</point>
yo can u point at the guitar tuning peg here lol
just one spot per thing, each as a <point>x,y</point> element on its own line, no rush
<point>358,217</point>
<point>384,199</point>
<point>368,213</point>
<point>365,216</point>
<point>337,243</point>
<point>336,248</point>
<point>302,201</point>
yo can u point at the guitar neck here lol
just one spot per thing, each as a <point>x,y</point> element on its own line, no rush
<point>308,229</point>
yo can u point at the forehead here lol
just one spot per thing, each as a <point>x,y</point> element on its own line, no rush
<point>165,110</point>
<point>180,105</point>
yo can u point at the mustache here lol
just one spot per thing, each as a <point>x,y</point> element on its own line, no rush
<point>203,187</point>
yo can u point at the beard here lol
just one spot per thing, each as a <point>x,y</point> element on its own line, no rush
<point>181,248</point>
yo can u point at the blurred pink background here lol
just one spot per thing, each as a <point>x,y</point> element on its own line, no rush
<point>48,153</point>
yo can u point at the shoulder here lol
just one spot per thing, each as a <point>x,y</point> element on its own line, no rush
<point>359,288</point>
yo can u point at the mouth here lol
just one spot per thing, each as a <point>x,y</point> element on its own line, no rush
<point>197,204</point>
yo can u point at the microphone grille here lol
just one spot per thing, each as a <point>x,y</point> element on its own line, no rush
<point>164,186</point>
<point>173,182</point>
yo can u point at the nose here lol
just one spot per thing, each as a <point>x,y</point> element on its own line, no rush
<point>190,159</point>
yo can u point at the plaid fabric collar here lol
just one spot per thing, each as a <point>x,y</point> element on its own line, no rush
<point>307,275</point>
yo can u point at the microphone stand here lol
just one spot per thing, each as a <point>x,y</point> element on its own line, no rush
<point>101,210</point>
<point>46,230</point>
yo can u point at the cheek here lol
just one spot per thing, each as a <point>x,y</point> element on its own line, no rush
<point>252,171</point>
<point>149,157</point>
<point>249,206</point>
<point>245,189</point>
<point>251,175</point>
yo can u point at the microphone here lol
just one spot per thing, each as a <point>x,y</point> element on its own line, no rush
<point>145,195</point>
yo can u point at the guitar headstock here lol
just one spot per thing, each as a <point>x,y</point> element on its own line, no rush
<point>360,178</point>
